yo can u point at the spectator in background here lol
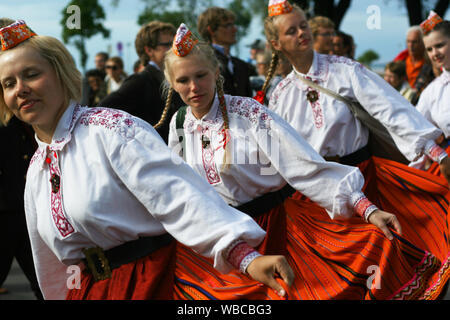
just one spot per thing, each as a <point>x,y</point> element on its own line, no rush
<point>419,70</point>
<point>395,75</point>
<point>141,94</point>
<point>217,26</point>
<point>343,45</point>
<point>116,75</point>
<point>256,47</point>
<point>323,31</point>
<point>100,62</point>
<point>97,87</point>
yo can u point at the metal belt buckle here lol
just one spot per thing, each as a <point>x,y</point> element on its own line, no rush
<point>97,263</point>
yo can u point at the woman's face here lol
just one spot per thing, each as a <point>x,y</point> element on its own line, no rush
<point>195,82</point>
<point>31,88</point>
<point>437,46</point>
<point>294,34</point>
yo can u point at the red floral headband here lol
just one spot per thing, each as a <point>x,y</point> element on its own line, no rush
<point>14,34</point>
<point>432,21</point>
<point>277,7</point>
<point>183,42</point>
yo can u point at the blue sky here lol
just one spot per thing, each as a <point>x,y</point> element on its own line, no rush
<point>44,15</point>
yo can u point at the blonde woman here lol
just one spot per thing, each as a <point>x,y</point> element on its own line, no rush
<point>103,195</point>
<point>255,161</point>
<point>325,120</point>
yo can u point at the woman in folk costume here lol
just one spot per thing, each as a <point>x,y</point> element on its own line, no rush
<point>255,161</point>
<point>434,101</point>
<point>103,191</point>
<point>323,118</point>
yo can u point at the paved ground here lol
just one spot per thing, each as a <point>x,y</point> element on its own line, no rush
<point>19,289</point>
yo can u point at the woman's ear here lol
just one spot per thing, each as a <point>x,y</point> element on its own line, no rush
<point>276,44</point>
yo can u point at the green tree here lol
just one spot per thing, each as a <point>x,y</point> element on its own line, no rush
<point>187,11</point>
<point>91,17</point>
<point>368,57</point>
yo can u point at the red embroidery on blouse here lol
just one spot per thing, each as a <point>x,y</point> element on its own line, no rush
<point>238,253</point>
<point>62,224</point>
<point>108,118</point>
<point>316,108</point>
<point>436,152</point>
<point>362,205</point>
<point>250,109</point>
<point>212,175</point>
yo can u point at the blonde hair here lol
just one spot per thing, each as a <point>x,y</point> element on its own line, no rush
<point>63,64</point>
<point>271,32</point>
<point>206,53</point>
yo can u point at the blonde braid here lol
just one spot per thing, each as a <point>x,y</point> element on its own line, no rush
<point>272,69</point>
<point>223,110</point>
<point>166,109</point>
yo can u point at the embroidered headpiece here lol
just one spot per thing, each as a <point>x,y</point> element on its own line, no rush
<point>183,41</point>
<point>431,22</point>
<point>15,33</point>
<point>277,7</point>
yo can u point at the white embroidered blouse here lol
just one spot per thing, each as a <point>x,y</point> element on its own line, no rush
<point>119,181</point>
<point>434,102</point>
<point>266,153</point>
<point>328,125</point>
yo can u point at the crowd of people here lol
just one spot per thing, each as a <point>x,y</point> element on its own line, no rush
<point>204,176</point>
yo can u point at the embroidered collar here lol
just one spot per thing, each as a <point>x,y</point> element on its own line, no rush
<point>62,134</point>
<point>212,120</point>
<point>318,72</point>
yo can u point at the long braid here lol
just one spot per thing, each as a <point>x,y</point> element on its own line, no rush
<point>226,133</point>
<point>166,109</point>
<point>271,72</point>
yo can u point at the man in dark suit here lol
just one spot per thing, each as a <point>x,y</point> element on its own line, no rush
<point>216,25</point>
<point>142,94</point>
<point>17,141</point>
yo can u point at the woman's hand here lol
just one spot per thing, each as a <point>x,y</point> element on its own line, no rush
<point>383,220</point>
<point>445,168</point>
<point>265,268</point>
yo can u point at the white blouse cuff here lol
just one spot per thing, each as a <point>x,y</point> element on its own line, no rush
<point>239,254</point>
<point>363,206</point>
<point>435,152</point>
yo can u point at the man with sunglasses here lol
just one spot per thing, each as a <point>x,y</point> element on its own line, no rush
<point>141,93</point>
<point>217,26</point>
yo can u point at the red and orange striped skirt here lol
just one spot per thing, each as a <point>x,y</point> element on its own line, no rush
<point>348,259</point>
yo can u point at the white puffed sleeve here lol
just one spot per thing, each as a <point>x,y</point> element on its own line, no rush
<point>333,186</point>
<point>186,205</point>
<point>409,129</point>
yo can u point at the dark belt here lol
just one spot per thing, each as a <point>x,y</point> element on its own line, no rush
<point>352,159</point>
<point>100,263</point>
<point>264,203</point>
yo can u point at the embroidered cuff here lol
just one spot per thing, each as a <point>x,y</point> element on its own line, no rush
<point>362,206</point>
<point>240,254</point>
<point>435,152</point>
